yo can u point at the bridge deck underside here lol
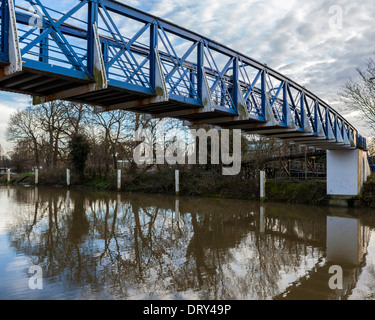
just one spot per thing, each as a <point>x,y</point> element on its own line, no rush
<point>34,82</point>
<point>41,83</point>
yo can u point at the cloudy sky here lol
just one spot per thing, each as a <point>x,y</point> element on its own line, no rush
<point>316,43</point>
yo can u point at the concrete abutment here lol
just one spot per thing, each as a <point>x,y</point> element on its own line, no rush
<point>347,171</point>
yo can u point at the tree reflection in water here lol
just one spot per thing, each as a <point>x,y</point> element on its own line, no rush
<point>126,246</point>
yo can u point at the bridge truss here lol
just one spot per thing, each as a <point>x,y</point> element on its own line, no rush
<point>107,54</point>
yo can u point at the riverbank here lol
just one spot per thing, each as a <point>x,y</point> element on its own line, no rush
<point>192,183</point>
<point>203,184</point>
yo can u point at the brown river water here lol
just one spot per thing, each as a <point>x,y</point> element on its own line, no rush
<point>73,244</point>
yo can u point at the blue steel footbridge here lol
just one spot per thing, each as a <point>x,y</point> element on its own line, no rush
<point>107,54</point>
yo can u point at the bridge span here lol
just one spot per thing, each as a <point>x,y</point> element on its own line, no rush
<point>107,54</point>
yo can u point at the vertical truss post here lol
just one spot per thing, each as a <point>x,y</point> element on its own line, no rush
<point>91,21</point>
<point>203,90</point>
<point>345,135</point>
<point>192,83</point>
<point>351,138</point>
<point>200,67</point>
<point>285,103</point>
<point>318,128</point>
<point>153,48</point>
<point>268,115</point>
<point>4,28</point>
<point>105,50</point>
<point>306,127</point>
<point>317,119</point>
<point>338,135</point>
<point>10,43</point>
<point>222,94</point>
<point>329,132</point>
<point>327,125</point>
<point>43,49</point>
<point>303,113</point>
<point>263,92</point>
<point>99,73</point>
<point>237,96</point>
<point>235,83</point>
<point>288,119</point>
<point>335,128</point>
<point>157,80</point>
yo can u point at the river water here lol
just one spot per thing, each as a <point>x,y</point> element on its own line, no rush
<point>74,244</point>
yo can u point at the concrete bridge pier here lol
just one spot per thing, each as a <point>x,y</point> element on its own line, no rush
<point>347,171</point>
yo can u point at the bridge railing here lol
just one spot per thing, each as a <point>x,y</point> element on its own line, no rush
<point>134,44</point>
<point>125,44</point>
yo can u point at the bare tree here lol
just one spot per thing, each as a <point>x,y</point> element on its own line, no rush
<point>54,123</point>
<point>77,115</point>
<point>111,124</point>
<point>23,126</point>
<point>359,94</point>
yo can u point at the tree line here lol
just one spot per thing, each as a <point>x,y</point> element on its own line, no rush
<point>43,136</point>
<point>60,134</point>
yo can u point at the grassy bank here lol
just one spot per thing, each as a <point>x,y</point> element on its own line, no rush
<point>303,192</point>
<point>200,183</point>
<point>192,183</point>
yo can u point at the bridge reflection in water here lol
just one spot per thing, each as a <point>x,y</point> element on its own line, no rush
<point>346,244</point>
<point>128,246</point>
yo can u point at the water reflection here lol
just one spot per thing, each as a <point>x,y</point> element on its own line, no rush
<point>125,246</point>
<point>346,246</point>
